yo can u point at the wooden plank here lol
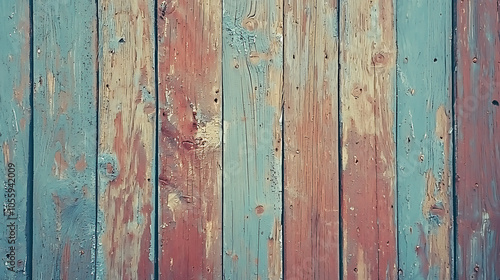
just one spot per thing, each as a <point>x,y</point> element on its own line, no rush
<point>15,120</point>
<point>190,130</point>
<point>311,158</point>
<point>127,137</point>
<point>478,136</point>
<point>424,139</point>
<point>64,120</point>
<point>367,87</point>
<point>252,178</point>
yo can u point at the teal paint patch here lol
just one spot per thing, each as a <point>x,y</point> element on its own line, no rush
<point>15,119</point>
<point>65,127</point>
<point>251,145</point>
<point>424,151</point>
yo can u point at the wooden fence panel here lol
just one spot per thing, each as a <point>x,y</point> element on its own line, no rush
<point>424,141</point>
<point>190,131</point>
<point>367,107</point>
<point>127,137</point>
<point>478,139</point>
<point>15,121</point>
<point>311,157</point>
<point>64,127</point>
<point>252,178</point>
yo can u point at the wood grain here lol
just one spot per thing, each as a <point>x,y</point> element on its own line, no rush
<point>127,137</point>
<point>64,121</point>
<point>311,157</point>
<point>190,131</point>
<point>367,93</point>
<point>478,137</point>
<point>15,120</point>
<point>252,178</point>
<point>424,141</point>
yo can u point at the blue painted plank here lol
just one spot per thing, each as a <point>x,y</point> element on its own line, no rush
<point>65,122</point>
<point>127,138</point>
<point>252,98</point>
<point>424,139</point>
<point>15,120</point>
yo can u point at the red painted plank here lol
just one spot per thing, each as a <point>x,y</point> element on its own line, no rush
<point>478,139</point>
<point>311,186</point>
<point>127,138</point>
<point>189,70</point>
<point>367,87</point>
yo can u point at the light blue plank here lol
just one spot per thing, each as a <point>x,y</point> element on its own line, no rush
<point>65,126</point>
<point>15,119</point>
<point>424,139</point>
<point>252,183</point>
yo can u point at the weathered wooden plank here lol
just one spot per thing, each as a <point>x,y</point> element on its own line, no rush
<point>478,139</point>
<point>127,137</point>
<point>311,163</point>
<point>15,120</point>
<point>252,177</point>
<point>190,130</point>
<point>64,120</point>
<point>367,87</point>
<point>424,139</point>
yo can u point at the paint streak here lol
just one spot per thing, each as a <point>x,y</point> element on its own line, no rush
<point>190,139</point>
<point>311,140</point>
<point>478,137</point>
<point>367,84</point>
<point>127,132</point>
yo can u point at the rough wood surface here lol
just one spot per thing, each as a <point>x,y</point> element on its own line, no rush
<point>64,120</point>
<point>424,141</point>
<point>15,120</point>
<point>127,136</point>
<point>252,178</point>
<point>190,131</point>
<point>311,165</point>
<point>477,115</point>
<point>367,88</point>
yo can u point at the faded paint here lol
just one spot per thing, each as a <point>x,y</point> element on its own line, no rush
<point>424,139</point>
<point>367,87</point>
<point>15,115</point>
<point>477,148</point>
<point>252,136</point>
<point>63,215</point>
<point>127,132</point>
<point>311,157</point>
<point>190,99</point>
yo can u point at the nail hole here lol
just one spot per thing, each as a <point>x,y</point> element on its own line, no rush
<point>435,59</point>
<point>494,102</point>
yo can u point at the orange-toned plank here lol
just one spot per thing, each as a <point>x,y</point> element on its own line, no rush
<point>311,165</point>
<point>367,88</point>
<point>477,115</point>
<point>189,139</point>
<point>127,136</point>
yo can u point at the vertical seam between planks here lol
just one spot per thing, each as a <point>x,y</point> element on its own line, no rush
<point>339,143</point>
<point>97,141</point>
<point>454,25</point>
<point>283,231</point>
<point>222,138</point>
<point>396,135</point>
<point>156,239</point>
<point>30,181</point>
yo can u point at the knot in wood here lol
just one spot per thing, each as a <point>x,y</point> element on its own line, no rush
<point>379,59</point>
<point>250,24</point>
